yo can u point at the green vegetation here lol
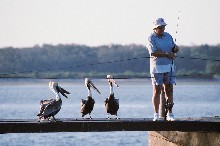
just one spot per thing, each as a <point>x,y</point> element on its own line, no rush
<point>79,61</point>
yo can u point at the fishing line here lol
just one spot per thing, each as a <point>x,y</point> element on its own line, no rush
<point>172,64</point>
<point>148,77</point>
<point>101,63</point>
<point>177,26</point>
<point>184,75</point>
<point>77,66</point>
<point>197,58</point>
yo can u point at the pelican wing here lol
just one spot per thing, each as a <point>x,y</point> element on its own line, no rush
<point>87,106</point>
<point>43,102</point>
<point>112,106</point>
<point>52,108</point>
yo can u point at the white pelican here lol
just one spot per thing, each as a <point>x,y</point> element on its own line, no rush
<point>49,108</point>
<point>111,104</point>
<point>87,105</point>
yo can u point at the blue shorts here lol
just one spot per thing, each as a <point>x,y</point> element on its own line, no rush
<point>163,78</point>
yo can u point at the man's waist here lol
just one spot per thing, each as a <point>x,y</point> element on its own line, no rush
<point>162,68</point>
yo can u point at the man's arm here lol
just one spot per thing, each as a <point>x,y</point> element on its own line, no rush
<point>163,54</point>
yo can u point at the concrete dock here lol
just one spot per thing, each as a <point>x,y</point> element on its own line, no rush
<point>211,124</point>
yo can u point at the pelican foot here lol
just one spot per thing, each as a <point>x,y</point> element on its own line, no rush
<point>40,119</point>
<point>53,118</point>
<point>116,117</point>
<point>108,116</point>
<point>44,120</point>
<point>90,116</point>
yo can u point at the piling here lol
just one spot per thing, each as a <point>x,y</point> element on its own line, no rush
<point>192,137</point>
<point>178,138</point>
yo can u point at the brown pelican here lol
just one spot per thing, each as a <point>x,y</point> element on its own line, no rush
<point>87,105</point>
<point>111,104</point>
<point>49,108</point>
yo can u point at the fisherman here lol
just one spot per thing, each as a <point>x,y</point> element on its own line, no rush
<point>161,48</point>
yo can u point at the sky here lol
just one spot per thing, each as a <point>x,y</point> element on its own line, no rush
<point>26,23</point>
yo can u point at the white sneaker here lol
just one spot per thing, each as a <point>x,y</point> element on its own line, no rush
<point>170,117</point>
<point>156,117</point>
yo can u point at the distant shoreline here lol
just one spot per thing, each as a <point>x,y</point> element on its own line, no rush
<point>125,75</point>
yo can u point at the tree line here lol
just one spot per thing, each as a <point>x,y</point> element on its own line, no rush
<point>79,61</point>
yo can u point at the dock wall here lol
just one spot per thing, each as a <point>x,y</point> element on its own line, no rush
<point>178,138</point>
<point>183,132</point>
<point>101,125</point>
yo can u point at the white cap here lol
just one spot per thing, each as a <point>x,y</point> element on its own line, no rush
<point>159,22</point>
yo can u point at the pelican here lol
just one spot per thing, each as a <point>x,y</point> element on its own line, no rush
<point>87,105</point>
<point>111,104</point>
<point>49,108</point>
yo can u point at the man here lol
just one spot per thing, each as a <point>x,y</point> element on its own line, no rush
<point>161,48</point>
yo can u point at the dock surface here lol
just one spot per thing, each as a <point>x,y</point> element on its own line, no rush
<point>102,125</point>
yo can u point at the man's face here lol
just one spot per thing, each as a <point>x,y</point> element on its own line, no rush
<point>159,30</point>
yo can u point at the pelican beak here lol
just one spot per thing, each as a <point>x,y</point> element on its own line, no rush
<point>94,87</point>
<point>115,83</point>
<point>89,84</point>
<point>62,91</point>
<point>112,81</point>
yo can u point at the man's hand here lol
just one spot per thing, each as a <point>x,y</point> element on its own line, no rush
<point>170,56</point>
<point>175,49</point>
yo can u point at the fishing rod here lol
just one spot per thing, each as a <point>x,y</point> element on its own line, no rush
<point>169,105</point>
<point>175,41</point>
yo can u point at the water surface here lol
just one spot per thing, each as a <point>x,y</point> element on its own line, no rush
<point>20,100</point>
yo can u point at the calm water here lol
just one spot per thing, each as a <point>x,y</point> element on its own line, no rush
<point>20,100</point>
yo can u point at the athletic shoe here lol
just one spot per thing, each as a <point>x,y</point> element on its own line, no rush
<point>170,117</point>
<point>156,117</point>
